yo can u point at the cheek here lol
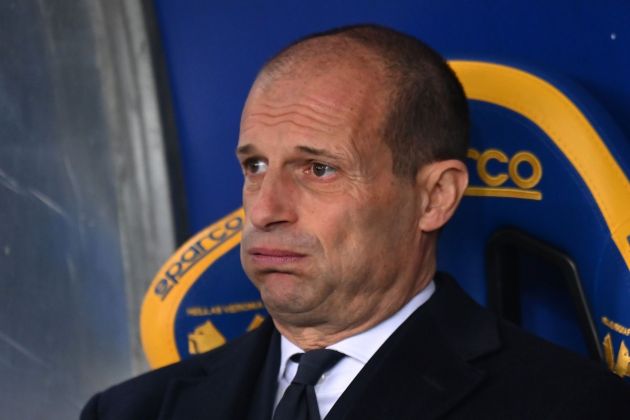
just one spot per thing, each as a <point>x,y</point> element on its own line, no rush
<point>348,241</point>
<point>384,229</point>
<point>359,232</point>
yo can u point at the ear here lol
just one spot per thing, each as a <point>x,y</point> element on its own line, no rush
<point>443,184</point>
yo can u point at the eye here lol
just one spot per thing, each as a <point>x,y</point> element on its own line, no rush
<point>254,166</point>
<point>321,170</point>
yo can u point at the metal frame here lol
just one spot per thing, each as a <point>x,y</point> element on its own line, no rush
<point>144,146</point>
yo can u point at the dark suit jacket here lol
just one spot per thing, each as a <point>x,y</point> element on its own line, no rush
<point>450,359</point>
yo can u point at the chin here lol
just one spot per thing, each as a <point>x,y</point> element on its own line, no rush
<point>283,300</point>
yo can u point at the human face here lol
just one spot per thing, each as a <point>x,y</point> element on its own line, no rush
<point>331,235</point>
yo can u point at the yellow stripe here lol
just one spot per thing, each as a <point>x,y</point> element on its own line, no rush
<point>157,316</point>
<point>564,123</point>
<point>503,193</point>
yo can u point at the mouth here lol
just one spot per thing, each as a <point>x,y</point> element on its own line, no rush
<point>272,257</point>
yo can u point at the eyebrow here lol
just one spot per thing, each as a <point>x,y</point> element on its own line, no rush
<point>317,152</point>
<point>247,149</point>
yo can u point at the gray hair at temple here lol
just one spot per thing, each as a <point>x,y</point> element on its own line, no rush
<point>427,119</point>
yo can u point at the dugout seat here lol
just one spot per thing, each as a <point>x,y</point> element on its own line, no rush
<point>542,235</point>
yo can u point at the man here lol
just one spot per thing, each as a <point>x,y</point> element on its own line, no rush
<point>352,145</point>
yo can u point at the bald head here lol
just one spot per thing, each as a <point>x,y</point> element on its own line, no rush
<point>318,55</point>
<point>424,115</point>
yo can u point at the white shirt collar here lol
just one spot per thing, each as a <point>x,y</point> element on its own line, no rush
<point>362,346</point>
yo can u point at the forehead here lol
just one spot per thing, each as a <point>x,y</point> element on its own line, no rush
<point>341,97</point>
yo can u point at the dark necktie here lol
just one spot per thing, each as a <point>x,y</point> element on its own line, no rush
<point>299,401</point>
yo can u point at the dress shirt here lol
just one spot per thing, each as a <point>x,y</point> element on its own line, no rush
<point>358,350</point>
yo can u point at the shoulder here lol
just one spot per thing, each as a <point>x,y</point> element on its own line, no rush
<point>524,375</point>
<point>539,377</point>
<point>142,397</point>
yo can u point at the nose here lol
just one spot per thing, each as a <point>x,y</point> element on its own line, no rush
<point>272,205</point>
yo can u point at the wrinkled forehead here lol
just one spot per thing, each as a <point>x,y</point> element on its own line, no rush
<point>352,89</point>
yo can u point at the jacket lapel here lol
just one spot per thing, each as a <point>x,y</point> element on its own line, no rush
<point>423,370</point>
<point>228,385</point>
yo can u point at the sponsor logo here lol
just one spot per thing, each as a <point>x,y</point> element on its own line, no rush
<point>193,252</point>
<point>508,181</point>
